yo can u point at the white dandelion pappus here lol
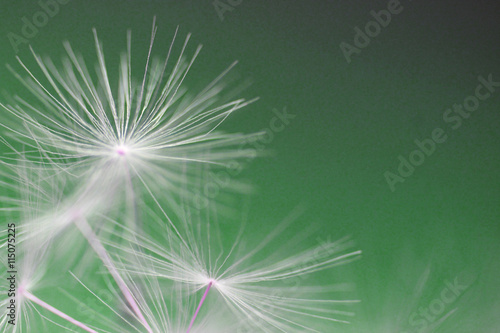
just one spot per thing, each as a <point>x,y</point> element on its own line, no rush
<point>167,305</point>
<point>33,268</point>
<point>47,205</point>
<point>152,125</point>
<point>47,217</point>
<point>27,273</point>
<point>257,293</point>
<point>37,210</point>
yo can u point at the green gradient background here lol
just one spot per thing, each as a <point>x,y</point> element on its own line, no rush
<point>352,121</point>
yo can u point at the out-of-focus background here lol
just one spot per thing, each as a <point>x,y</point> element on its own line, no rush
<point>391,137</point>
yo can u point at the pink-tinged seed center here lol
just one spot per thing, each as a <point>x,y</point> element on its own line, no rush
<point>122,150</point>
<point>21,289</point>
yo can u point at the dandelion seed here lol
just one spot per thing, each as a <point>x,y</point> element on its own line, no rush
<point>167,307</point>
<point>45,225</point>
<point>152,124</point>
<point>258,294</point>
<point>31,270</point>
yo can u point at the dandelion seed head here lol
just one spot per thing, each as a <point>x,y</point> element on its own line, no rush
<point>86,122</point>
<point>260,295</point>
